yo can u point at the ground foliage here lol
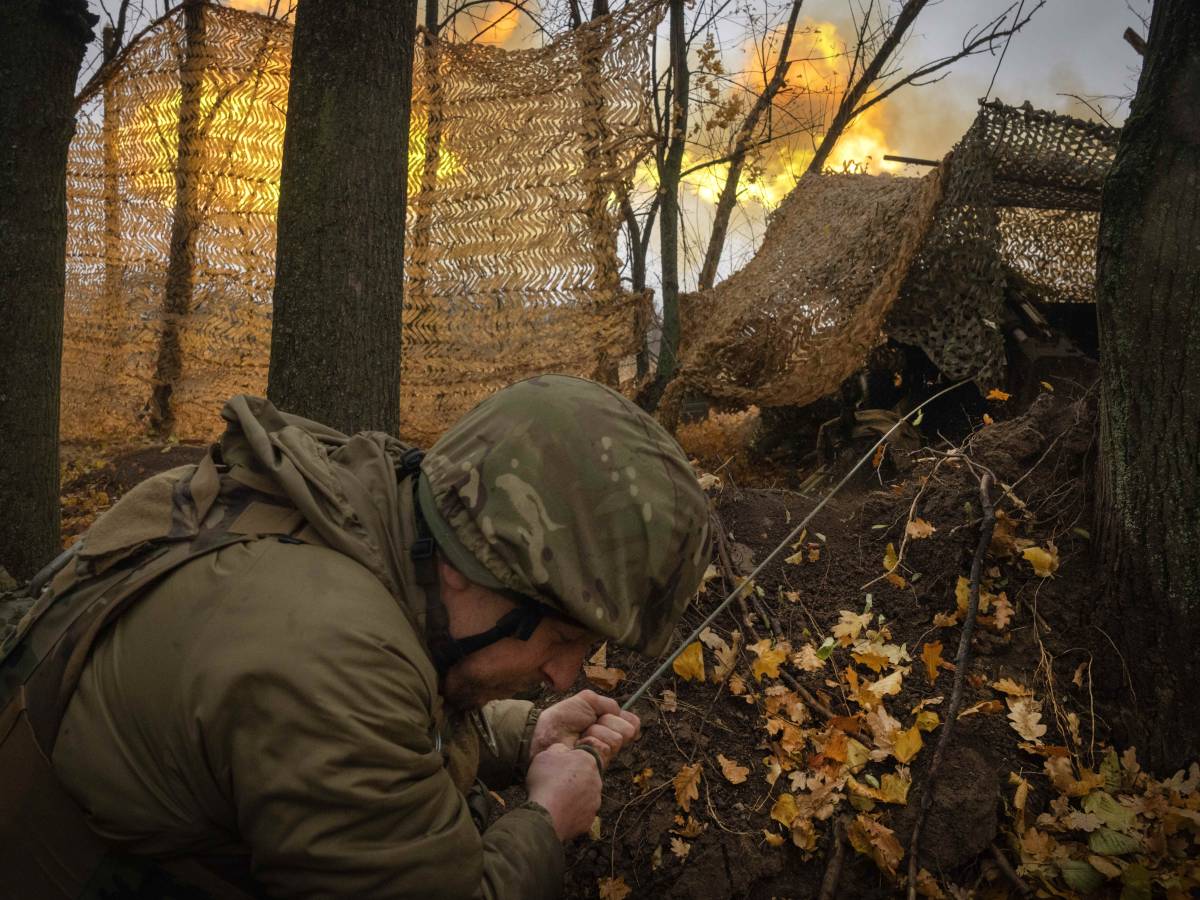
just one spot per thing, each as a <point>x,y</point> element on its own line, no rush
<point>740,783</point>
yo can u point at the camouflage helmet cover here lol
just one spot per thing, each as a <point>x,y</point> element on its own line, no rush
<point>562,490</point>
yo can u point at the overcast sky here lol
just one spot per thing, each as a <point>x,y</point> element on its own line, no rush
<point>1071,46</point>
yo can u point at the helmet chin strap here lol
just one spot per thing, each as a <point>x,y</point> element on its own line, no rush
<point>519,623</point>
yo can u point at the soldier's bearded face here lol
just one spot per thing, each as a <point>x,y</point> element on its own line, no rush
<point>553,655</point>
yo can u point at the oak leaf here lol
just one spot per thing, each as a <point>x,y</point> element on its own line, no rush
<point>687,785</point>
<point>689,665</point>
<point>807,659</point>
<point>1003,613</point>
<point>680,847</point>
<point>640,779</point>
<point>1025,715</point>
<point>726,655</point>
<point>1012,688</point>
<point>733,773</point>
<point>877,841</point>
<point>669,701</point>
<point>850,625</point>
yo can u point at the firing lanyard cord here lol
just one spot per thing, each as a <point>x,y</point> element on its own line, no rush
<point>658,673</point>
<point>1000,61</point>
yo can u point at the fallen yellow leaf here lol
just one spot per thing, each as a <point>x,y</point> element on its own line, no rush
<point>919,529</point>
<point>997,394</point>
<point>614,889</point>
<point>600,657</point>
<point>890,559</point>
<point>773,839</point>
<point>642,777</point>
<point>1010,687</point>
<point>733,773</point>
<point>1025,715</point>
<point>877,841</point>
<point>604,678</point>
<point>927,720</point>
<point>908,744</point>
<point>769,658</point>
<point>687,785</point>
<point>680,847</point>
<point>849,625</point>
<point>931,655</point>
<point>784,810</point>
<point>1044,562</point>
<point>689,665</point>
<point>983,706</point>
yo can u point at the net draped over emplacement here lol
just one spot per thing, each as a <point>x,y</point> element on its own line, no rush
<point>518,161</point>
<point>516,166</point>
<point>848,260</point>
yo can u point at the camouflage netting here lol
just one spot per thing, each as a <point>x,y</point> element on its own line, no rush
<point>848,260</point>
<point>1022,206</point>
<point>803,313</point>
<point>173,184</point>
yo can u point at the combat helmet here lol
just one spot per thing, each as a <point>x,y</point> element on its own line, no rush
<point>564,495</point>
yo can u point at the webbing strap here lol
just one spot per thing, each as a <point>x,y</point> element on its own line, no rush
<point>519,623</point>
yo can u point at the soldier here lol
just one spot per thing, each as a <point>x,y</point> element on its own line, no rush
<point>279,672</point>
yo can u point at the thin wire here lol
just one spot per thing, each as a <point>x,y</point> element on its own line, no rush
<point>658,673</point>
<point>1000,61</point>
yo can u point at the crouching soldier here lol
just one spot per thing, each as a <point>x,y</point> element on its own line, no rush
<point>280,672</point>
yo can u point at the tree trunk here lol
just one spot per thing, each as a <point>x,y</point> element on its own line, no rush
<point>668,191</point>
<point>41,46</point>
<point>335,342</point>
<point>1148,294</point>
<point>177,293</point>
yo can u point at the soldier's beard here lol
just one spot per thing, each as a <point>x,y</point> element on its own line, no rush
<point>469,684</point>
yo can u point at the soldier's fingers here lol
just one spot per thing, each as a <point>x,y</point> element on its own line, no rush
<point>600,704</point>
<point>626,729</point>
<point>611,739</point>
<point>598,748</point>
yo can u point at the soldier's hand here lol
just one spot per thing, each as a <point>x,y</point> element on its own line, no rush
<point>586,717</point>
<point>567,783</point>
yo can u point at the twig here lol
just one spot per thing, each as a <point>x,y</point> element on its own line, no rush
<point>961,662</point>
<point>1005,866</point>
<point>806,695</point>
<point>833,871</point>
<point>730,577</point>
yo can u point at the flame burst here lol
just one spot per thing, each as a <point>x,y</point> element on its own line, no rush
<point>815,82</point>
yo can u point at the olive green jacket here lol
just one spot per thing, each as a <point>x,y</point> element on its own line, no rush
<point>275,701</point>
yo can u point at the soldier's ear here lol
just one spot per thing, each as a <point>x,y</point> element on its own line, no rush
<point>451,577</point>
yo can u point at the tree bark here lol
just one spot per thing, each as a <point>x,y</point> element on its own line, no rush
<point>1148,295</point>
<point>177,292</point>
<point>41,47</point>
<point>668,191</point>
<point>335,343</point>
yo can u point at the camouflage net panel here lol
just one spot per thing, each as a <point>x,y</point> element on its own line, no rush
<point>515,164</point>
<point>804,313</point>
<point>1022,201</point>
